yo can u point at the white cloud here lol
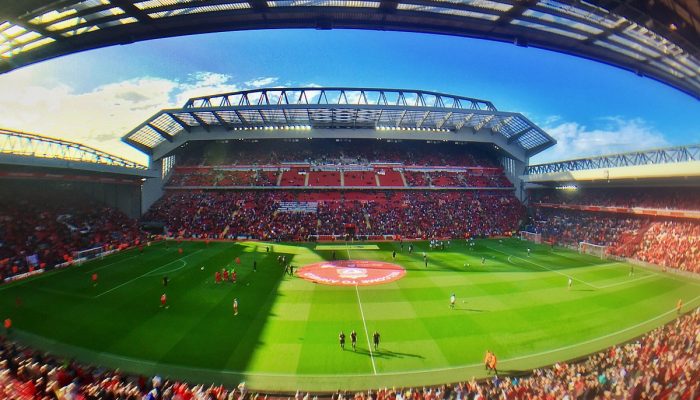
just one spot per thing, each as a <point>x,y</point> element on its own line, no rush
<point>97,118</point>
<point>101,116</point>
<point>312,85</point>
<point>202,84</point>
<point>552,119</point>
<point>262,81</point>
<point>614,135</point>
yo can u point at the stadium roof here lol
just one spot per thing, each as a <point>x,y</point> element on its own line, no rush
<point>633,158</point>
<point>659,39</point>
<point>411,114</point>
<point>20,148</point>
<point>671,165</point>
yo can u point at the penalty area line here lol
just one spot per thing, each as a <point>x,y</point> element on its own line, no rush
<point>146,274</point>
<point>548,269</point>
<point>184,264</point>
<point>109,265</point>
<point>650,274</point>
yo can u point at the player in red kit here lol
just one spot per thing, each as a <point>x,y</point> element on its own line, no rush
<point>234,276</point>
<point>225,275</point>
<point>164,301</point>
<point>217,277</point>
<point>94,279</point>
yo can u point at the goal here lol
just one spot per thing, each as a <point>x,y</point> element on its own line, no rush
<point>593,249</point>
<point>89,254</point>
<point>531,236</point>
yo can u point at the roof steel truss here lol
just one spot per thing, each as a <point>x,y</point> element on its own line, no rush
<point>339,96</point>
<point>337,108</point>
<point>30,145</point>
<point>648,157</point>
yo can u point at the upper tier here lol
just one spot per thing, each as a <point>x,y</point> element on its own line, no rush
<point>337,164</point>
<point>337,176</point>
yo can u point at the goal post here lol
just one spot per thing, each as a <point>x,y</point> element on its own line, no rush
<point>593,249</point>
<point>531,236</point>
<point>88,254</point>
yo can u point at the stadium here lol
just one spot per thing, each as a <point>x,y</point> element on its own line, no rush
<point>350,242</point>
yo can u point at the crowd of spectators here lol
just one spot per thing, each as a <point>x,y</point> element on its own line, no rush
<point>361,178</point>
<point>26,374</point>
<point>329,163</point>
<point>321,152</point>
<point>326,151</point>
<point>244,178</point>
<point>668,242</point>
<point>662,364</point>
<point>192,177</point>
<point>570,227</point>
<point>446,214</point>
<point>416,178</point>
<point>296,176</point>
<point>416,214</point>
<point>46,227</point>
<point>673,243</point>
<point>206,176</point>
<point>674,198</point>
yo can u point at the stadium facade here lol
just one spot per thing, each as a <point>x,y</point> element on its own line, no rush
<point>337,113</point>
<point>28,160</point>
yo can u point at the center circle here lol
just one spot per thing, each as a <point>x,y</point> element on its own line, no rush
<point>351,272</point>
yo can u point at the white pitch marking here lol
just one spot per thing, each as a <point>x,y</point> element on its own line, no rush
<point>369,345</point>
<point>110,264</point>
<point>574,278</point>
<point>146,274</point>
<point>184,264</point>
<point>410,372</point>
<point>364,323</point>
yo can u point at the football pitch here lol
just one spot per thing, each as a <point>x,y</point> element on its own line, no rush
<point>285,336</point>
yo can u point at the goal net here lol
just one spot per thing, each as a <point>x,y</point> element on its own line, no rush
<point>593,249</point>
<point>531,236</point>
<point>84,255</point>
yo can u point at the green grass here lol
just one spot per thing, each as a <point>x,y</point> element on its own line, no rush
<point>285,336</point>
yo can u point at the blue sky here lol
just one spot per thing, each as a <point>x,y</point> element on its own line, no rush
<point>95,97</point>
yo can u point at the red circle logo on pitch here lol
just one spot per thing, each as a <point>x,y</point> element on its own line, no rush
<point>352,272</point>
